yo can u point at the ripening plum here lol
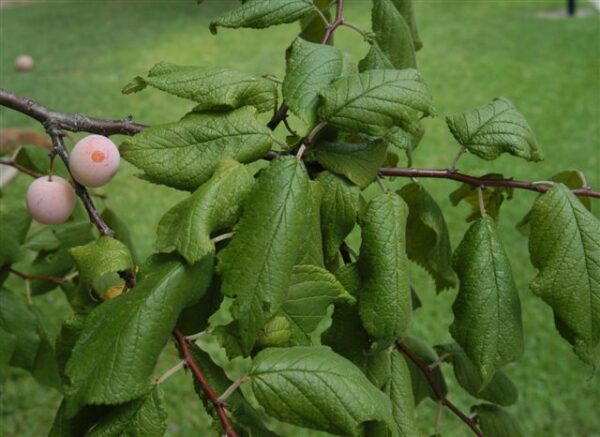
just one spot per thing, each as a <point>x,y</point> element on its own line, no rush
<point>50,201</point>
<point>24,63</point>
<point>94,161</point>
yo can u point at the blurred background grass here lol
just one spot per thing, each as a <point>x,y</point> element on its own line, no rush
<point>85,51</point>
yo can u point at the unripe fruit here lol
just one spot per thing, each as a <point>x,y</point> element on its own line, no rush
<point>24,63</point>
<point>94,161</point>
<point>50,201</point>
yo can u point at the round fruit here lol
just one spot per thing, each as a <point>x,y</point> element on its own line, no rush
<point>50,201</point>
<point>94,161</point>
<point>24,63</point>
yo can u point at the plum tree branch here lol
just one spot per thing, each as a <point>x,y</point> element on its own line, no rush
<point>68,121</point>
<point>78,122</point>
<point>213,397</point>
<point>477,181</point>
<point>443,400</point>
<point>281,113</point>
<point>15,164</point>
<point>28,277</point>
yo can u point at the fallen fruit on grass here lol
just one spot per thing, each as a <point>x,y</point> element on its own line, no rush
<point>24,63</point>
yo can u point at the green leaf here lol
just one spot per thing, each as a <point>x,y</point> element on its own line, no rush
<point>346,319</point>
<point>8,345</point>
<point>565,247</point>
<point>31,349</point>
<point>112,330</point>
<point>376,100</point>
<point>406,8</point>
<point>186,153</point>
<point>378,367</point>
<point>500,390</point>
<point>15,224</point>
<point>312,25</point>
<point>407,141</point>
<point>242,413</point>
<point>258,14</point>
<point>427,238</point>
<point>487,310</point>
<point>194,318</point>
<point>393,35</point>
<point>310,67</point>
<point>495,421</point>
<point>399,389</point>
<point>143,417</point>
<point>16,318</point>
<point>99,258</point>
<point>37,159</point>
<point>69,422</point>
<point>315,388</point>
<point>311,246</point>
<point>385,300</point>
<point>420,385</point>
<point>339,211</point>
<point>65,341</point>
<point>375,59</point>
<point>493,198</point>
<point>359,162</point>
<point>215,206</point>
<point>276,332</point>
<point>121,229</point>
<point>214,88</point>
<point>573,179</point>
<point>45,367</point>
<point>311,293</point>
<point>256,265</point>
<point>495,129</point>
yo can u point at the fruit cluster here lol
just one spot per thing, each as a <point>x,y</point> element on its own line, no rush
<point>93,162</point>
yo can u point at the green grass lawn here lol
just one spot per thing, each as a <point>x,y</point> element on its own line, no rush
<point>474,51</point>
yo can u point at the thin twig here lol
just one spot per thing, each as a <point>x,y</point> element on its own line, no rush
<point>482,210</point>
<point>67,121</point>
<point>323,17</point>
<point>460,153</point>
<point>273,78</point>
<point>222,237</point>
<point>382,185</point>
<point>173,370</point>
<point>476,181</point>
<point>204,385</point>
<point>15,164</point>
<point>197,335</point>
<point>355,28</point>
<point>286,123</point>
<point>300,152</point>
<point>28,277</point>
<point>438,417</point>
<point>232,388</point>
<point>281,113</point>
<point>441,397</point>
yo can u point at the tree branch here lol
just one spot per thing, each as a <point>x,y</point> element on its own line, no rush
<point>13,163</point>
<point>28,277</point>
<point>477,181</point>
<point>428,374</point>
<point>67,121</point>
<point>281,113</point>
<point>204,385</point>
